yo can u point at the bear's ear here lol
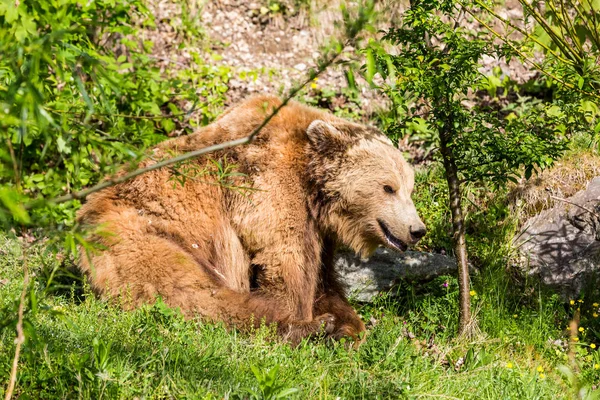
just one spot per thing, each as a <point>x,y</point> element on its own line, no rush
<point>323,136</point>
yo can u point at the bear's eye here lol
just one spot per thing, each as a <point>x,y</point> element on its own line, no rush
<point>388,189</point>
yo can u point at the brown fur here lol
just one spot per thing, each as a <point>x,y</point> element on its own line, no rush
<point>265,254</point>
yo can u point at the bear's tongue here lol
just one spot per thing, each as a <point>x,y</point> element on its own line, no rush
<point>392,240</point>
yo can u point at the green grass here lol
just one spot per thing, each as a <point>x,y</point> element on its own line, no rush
<point>81,347</point>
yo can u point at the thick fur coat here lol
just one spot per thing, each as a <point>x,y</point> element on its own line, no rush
<point>257,245</point>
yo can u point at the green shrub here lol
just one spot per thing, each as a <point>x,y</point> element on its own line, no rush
<point>80,94</point>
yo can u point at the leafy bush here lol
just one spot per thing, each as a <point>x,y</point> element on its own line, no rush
<point>568,34</point>
<point>80,93</point>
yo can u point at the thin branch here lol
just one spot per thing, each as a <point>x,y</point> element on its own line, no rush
<point>459,17</point>
<point>14,163</point>
<point>168,60</point>
<point>559,41</point>
<point>20,339</point>
<point>82,194</point>
<point>595,31</point>
<point>565,27</point>
<point>594,213</point>
<point>568,21</point>
<point>521,31</point>
<point>590,25</point>
<point>526,59</point>
<point>138,117</point>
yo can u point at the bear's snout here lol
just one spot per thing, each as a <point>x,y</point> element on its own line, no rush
<point>417,232</point>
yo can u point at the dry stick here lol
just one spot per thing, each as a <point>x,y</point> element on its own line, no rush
<point>82,194</point>
<point>20,335</point>
<point>576,205</point>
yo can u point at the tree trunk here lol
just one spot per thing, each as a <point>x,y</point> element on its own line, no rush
<point>465,325</point>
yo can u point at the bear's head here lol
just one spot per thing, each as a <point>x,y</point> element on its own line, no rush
<point>361,187</point>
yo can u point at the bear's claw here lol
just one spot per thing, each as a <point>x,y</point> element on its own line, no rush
<point>326,322</point>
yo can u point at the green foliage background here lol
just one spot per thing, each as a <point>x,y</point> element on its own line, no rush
<point>81,93</point>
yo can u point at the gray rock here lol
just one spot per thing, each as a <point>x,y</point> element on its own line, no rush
<point>367,278</point>
<point>562,245</point>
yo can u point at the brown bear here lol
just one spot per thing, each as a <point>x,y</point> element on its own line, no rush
<point>256,244</point>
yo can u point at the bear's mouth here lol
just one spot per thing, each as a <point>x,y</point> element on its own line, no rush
<point>392,240</point>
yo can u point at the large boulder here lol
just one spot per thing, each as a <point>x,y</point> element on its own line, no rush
<point>367,278</point>
<point>561,245</point>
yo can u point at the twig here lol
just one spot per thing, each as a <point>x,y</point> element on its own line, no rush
<point>15,163</point>
<point>20,335</point>
<point>168,60</point>
<point>594,213</point>
<point>138,117</point>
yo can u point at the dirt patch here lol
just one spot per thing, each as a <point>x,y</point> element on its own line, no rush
<point>268,50</point>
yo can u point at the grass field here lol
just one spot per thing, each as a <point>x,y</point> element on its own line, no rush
<point>81,347</point>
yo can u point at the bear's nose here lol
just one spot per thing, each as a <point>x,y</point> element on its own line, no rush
<point>418,232</point>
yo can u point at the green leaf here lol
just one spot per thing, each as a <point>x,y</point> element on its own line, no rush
<point>588,106</point>
<point>371,66</point>
<point>167,124</point>
<point>62,146</point>
<point>257,372</point>
<point>9,11</point>
<point>350,79</point>
<point>25,28</point>
<point>554,111</point>
<point>47,116</point>
<point>84,94</point>
<point>286,393</point>
<point>581,34</point>
<point>542,36</point>
<point>528,171</point>
<point>29,24</point>
<point>10,198</point>
<point>391,72</point>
